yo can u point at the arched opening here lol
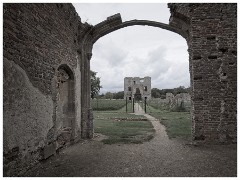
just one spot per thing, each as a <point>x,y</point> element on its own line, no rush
<point>159,66</point>
<point>114,23</point>
<point>138,95</point>
<point>65,111</point>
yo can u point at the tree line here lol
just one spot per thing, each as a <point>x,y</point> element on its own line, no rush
<point>161,93</point>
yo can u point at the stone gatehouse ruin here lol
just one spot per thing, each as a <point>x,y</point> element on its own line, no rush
<point>137,88</point>
<point>46,75</point>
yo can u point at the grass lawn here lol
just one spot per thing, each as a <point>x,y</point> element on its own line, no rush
<point>178,124</point>
<point>110,105</point>
<point>122,127</point>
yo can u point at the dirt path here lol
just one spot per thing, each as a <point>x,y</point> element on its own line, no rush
<point>160,157</point>
<point>160,132</point>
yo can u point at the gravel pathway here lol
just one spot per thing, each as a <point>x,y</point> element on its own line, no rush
<point>160,132</point>
<point>160,157</point>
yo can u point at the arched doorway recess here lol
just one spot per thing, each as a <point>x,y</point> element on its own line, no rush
<point>65,111</point>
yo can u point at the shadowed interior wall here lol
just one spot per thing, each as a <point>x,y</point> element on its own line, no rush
<point>37,38</point>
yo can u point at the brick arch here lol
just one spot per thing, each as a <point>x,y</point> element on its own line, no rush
<point>100,29</point>
<point>67,69</point>
<point>212,49</point>
<point>90,37</point>
<point>114,23</point>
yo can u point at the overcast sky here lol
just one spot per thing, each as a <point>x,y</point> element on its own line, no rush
<point>137,51</point>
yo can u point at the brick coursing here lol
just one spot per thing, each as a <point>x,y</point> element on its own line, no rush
<point>38,37</point>
<point>212,41</point>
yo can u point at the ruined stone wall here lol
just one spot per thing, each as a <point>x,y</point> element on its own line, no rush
<point>37,39</point>
<point>180,102</point>
<point>212,41</point>
<point>143,84</point>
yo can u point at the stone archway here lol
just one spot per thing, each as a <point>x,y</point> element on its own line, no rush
<point>65,110</point>
<point>92,34</point>
<point>212,49</point>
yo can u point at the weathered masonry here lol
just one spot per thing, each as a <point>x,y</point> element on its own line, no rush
<point>46,75</point>
<point>138,88</point>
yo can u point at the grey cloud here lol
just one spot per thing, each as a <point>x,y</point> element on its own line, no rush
<point>110,52</point>
<point>157,64</point>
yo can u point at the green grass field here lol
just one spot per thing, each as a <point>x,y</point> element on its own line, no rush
<point>122,127</point>
<point>114,104</point>
<point>178,124</point>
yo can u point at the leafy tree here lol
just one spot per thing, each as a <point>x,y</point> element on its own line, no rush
<point>108,95</point>
<point>101,96</point>
<point>180,89</point>
<point>118,95</point>
<point>95,84</point>
<point>156,93</point>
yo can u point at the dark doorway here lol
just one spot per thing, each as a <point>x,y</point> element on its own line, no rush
<point>138,95</point>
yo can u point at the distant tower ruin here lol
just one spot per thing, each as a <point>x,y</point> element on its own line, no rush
<point>137,88</point>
